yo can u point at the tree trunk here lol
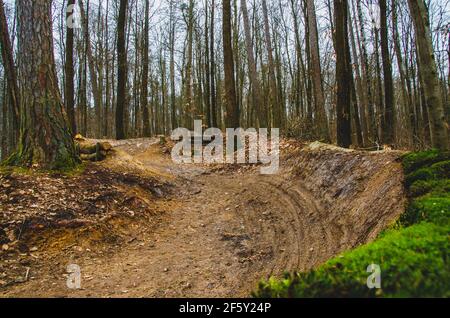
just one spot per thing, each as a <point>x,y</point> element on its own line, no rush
<point>172,67</point>
<point>108,82</point>
<point>46,141</point>
<point>4,135</point>
<point>69,88</point>
<point>144,84</point>
<point>121,70</point>
<point>10,72</point>
<point>343,74</point>
<point>319,99</point>
<point>92,71</point>
<point>361,118</point>
<point>388,123</point>
<point>272,79</point>
<point>256,86</point>
<point>232,112</point>
<point>214,121</point>
<point>407,103</point>
<point>207,67</point>
<point>365,69</point>
<point>188,105</point>
<point>428,69</point>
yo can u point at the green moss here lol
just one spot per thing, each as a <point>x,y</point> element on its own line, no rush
<point>429,190</point>
<point>413,255</point>
<point>11,166</point>
<point>413,263</point>
<point>64,162</point>
<point>416,160</point>
<point>437,171</point>
<point>77,171</point>
<point>423,187</point>
<point>434,209</point>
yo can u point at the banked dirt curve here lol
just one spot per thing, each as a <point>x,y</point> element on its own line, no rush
<point>230,229</point>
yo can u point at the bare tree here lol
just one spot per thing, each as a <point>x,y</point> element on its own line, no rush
<point>10,71</point>
<point>273,81</point>
<point>388,121</point>
<point>69,88</point>
<point>428,69</point>
<point>144,83</point>
<point>316,72</point>
<point>253,73</point>
<point>121,70</point>
<point>343,74</point>
<point>232,111</point>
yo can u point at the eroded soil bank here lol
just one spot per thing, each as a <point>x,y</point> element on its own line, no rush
<point>169,230</point>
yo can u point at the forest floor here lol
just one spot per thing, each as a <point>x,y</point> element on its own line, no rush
<point>139,225</point>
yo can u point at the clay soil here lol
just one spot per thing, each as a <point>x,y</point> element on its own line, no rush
<point>140,226</point>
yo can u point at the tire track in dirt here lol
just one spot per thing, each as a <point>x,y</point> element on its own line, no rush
<point>224,231</point>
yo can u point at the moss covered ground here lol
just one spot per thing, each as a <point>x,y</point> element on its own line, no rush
<point>412,255</point>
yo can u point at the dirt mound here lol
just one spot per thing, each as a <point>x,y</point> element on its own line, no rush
<point>361,191</point>
<point>41,211</point>
<point>226,229</point>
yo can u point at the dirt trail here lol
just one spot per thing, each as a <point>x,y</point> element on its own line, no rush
<point>224,232</point>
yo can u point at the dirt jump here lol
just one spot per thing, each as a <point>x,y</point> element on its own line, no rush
<point>152,228</point>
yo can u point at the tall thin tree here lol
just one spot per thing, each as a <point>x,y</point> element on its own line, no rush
<point>316,72</point>
<point>232,111</point>
<point>69,85</point>
<point>10,71</point>
<point>388,128</point>
<point>121,70</point>
<point>428,70</point>
<point>144,85</point>
<point>343,74</point>
<point>253,73</point>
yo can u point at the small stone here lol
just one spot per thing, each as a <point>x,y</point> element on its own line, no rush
<point>166,270</point>
<point>33,249</point>
<point>5,247</point>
